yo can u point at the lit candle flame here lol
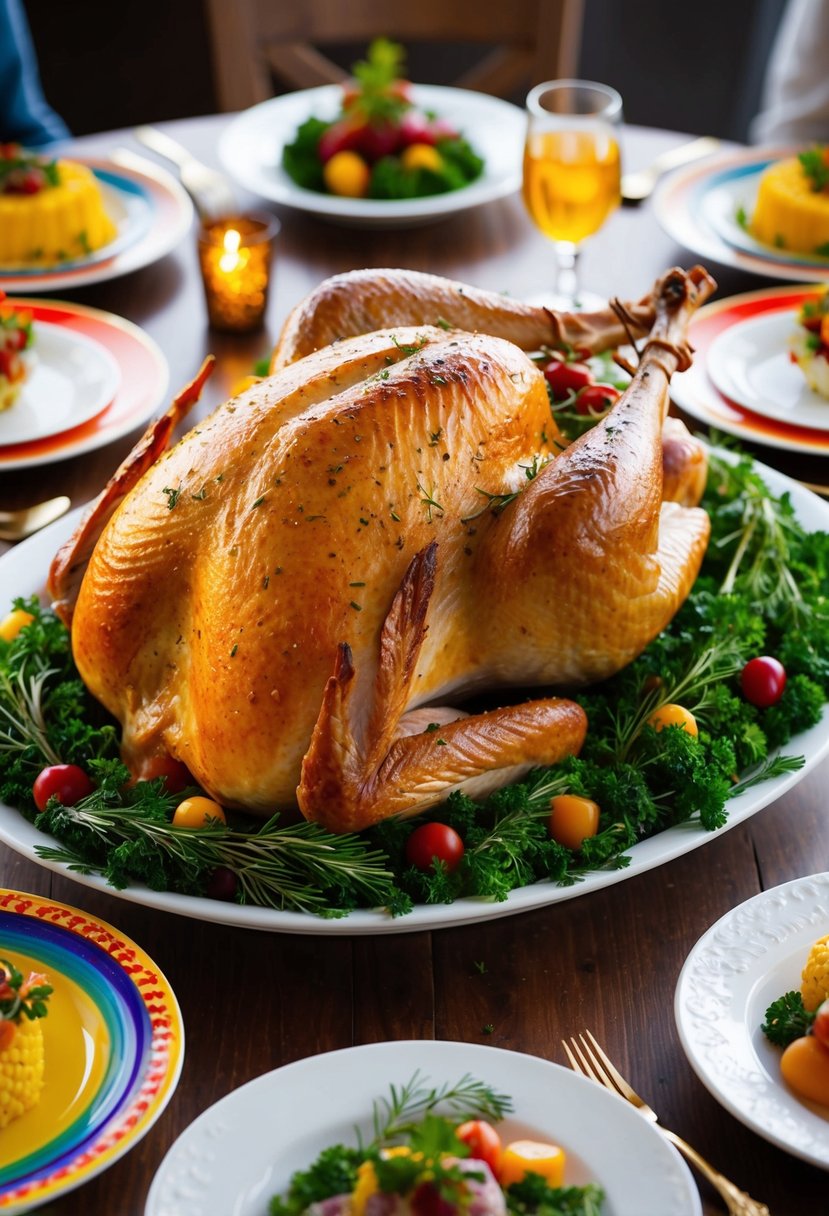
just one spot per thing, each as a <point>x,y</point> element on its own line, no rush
<point>230,258</point>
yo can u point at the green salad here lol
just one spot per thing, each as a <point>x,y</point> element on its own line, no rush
<point>381,145</point>
<point>761,595</point>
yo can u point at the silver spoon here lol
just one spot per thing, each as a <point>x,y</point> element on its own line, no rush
<point>638,185</point>
<point>16,525</point>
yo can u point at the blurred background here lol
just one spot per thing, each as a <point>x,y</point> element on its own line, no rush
<point>694,68</point>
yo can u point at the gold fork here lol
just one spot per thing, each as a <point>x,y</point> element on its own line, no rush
<point>591,1061</point>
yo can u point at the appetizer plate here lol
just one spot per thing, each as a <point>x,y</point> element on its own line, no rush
<point>750,364</point>
<point>71,379</point>
<point>250,148</point>
<point>114,1046</point>
<point>229,1160</point>
<point>23,572</point>
<point>78,340</point>
<point>772,418</point>
<point>699,207</point>
<point>151,211</point>
<point>749,958</point>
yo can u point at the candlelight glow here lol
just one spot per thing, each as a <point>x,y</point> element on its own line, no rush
<point>230,258</point>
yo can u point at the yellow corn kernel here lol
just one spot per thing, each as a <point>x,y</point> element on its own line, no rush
<point>524,1157</point>
<point>21,1071</point>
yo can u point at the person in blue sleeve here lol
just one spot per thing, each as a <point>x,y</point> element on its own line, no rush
<point>25,115</point>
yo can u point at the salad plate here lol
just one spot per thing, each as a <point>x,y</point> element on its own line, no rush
<point>750,364</point>
<point>250,149</point>
<point>748,959</point>
<point>730,393</point>
<point>702,207</point>
<point>72,378</point>
<point>23,572</point>
<point>113,1043</point>
<point>151,212</point>
<point>228,1160</point>
<point>130,385</point>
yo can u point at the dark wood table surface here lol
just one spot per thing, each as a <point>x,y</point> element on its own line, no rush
<point>253,1001</point>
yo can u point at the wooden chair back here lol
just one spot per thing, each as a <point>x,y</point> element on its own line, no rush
<point>258,42</point>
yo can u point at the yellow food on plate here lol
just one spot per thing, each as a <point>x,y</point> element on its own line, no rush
<point>22,1005</point>
<point>792,209</point>
<point>814,981</point>
<point>51,211</point>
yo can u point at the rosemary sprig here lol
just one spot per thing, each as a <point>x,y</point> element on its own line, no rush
<point>408,1104</point>
<point>295,868</point>
<point>22,716</point>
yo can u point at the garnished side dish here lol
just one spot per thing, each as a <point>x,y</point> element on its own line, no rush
<point>381,145</point>
<point>22,1003</point>
<point>799,1023</point>
<point>792,208</point>
<point>51,211</point>
<point>436,1152</point>
<point>16,337</point>
<point>810,343</point>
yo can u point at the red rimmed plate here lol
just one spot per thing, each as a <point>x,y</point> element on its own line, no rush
<point>151,210</point>
<point>142,388</point>
<point>695,392</point>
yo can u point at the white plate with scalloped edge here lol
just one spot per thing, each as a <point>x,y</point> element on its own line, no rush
<point>229,1159</point>
<point>749,958</point>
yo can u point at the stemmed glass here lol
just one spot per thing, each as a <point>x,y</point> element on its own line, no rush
<point>572,171</point>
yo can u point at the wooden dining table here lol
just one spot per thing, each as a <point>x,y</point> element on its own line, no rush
<point>608,960</point>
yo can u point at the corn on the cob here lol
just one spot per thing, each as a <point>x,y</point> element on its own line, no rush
<point>22,1005</point>
<point>814,981</point>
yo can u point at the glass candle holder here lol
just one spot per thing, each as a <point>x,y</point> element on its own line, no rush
<point>235,254</point>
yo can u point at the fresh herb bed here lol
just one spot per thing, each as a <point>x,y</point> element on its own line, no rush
<point>762,590</point>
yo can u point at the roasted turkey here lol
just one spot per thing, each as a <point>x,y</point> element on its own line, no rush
<point>294,600</point>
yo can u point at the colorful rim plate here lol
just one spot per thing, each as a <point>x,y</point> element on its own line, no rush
<point>142,383</point>
<point>250,148</point>
<point>229,1160</point>
<point>23,571</point>
<point>697,206</point>
<point>749,958</point>
<point>694,391</point>
<point>71,379</point>
<point>114,1044</point>
<point>152,213</point>
<point>750,364</point>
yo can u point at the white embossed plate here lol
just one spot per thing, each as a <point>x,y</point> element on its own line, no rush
<point>751,956</point>
<point>243,1149</point>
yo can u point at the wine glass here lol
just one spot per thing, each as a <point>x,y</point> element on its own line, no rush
<point>572,171</point>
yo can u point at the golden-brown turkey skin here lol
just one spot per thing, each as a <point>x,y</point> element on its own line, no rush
<point>362,301</point>
<point>210,626</point>
<point>380,526</point>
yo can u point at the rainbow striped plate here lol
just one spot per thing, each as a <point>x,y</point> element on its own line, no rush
<point>114,1045</point>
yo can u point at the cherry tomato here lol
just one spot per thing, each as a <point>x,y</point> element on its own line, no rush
<point>177,776</point>
<point>820,1026</point>
<point>762,681</point>
<point>596,398</point>
<point>11,625</point>
<point>434,840</point>
<point>564,378</point>
<point>221,884</point>
<point>805,1067</point>
<point>674,715</point>
<point>483,1142</point>
<point>573,819</point>
<point>66,781</point>
<point>197,812</point>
